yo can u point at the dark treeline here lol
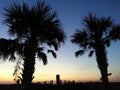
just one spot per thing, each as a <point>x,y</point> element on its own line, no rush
<point>76,86</point>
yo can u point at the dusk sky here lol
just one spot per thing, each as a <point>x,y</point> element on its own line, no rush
<point>83,68</point>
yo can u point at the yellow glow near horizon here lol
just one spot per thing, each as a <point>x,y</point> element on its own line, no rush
<point>47,73</point>
<point>74,70</point>
<point>67,72</point>
<point>6,71</point>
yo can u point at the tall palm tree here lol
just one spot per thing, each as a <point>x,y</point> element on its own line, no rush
<point>36,30</point>
<point>95,38</point>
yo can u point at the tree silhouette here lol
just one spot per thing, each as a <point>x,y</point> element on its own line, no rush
<point>95,37</point>
<point>36,31</point>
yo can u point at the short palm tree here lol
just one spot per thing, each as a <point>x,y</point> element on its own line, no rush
<point>36,30</point>
<point>95,38</point>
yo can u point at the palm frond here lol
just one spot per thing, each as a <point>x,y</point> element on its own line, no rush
<point>54,44</point>
<point>79,53</point>
<point>8,49</point>
<point>90,22</point>
<point>91,53</point>
<point>81,38</point>
<point>115,33</point>
<point>53,53</point>
<point>42,56</point>
<point>107,41</point>
<point>105,23</point>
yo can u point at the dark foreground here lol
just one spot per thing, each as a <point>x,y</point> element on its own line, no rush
<point>76,86</point>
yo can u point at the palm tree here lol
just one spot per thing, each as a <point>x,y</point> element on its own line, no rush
<point>95,38</point>
<point>36,30</point>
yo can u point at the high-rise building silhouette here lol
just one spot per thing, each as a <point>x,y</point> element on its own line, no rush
<point>58,79</point>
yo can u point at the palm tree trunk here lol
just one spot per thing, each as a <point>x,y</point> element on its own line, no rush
<point>28,70</point>
<point>29,64</point>
<point>101,58</point>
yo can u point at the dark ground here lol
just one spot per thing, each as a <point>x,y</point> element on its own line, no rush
<point>76,86</point>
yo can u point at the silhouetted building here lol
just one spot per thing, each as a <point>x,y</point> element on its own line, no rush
<point>51,82</point>
<point>58,79</point>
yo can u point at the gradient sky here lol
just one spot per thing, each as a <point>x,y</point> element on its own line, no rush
<point>70,12</point>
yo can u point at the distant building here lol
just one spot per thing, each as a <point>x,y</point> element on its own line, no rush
<point>58,82</point>
<point>51,82</point>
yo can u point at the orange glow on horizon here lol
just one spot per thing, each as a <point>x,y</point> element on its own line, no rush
<point>48,73</point>
<point>9,79</point>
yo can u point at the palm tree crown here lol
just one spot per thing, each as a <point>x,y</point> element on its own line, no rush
<point>35,22</point>
<point>96,31</point>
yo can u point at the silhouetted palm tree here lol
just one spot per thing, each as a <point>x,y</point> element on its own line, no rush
<point>35,29</point>
<point>95,38</point>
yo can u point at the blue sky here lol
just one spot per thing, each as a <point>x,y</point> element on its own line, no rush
<point>71,12</point>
